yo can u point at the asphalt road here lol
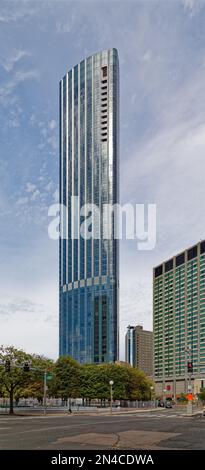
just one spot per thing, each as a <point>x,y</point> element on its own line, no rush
<point>164,429</point>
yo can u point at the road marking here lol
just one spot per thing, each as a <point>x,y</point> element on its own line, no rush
<point>80,425</point>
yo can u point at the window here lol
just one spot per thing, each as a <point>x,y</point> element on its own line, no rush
<point>192,252</point>
<point>169,265</point>
<point>202,247</point>
<point>104,71</point>
<point>158,271</point>
<point>180,259</point>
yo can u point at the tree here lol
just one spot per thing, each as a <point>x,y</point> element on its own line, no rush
<point>201,395</point>
<point>35,387</point>
<point>129,383</point>
<point>66,378</point>
<point>16,378</point>
<point>17,383</point>
<point>138,385</point>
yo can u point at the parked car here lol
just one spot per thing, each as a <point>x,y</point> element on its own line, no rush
<point>168,404</point>
<point>161,403</point>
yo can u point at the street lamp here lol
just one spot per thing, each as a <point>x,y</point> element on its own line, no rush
<point>164,391</point>
<point>111,394</point>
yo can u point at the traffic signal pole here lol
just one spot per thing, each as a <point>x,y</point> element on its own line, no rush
<point>45,391</point>
<point>26,367</point>
<point>189,365</point>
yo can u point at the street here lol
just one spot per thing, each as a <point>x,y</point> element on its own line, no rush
<point>166,429</point>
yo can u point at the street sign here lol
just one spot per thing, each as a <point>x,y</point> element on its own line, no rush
<point>49,376</point>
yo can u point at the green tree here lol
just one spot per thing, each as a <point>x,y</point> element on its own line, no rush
<point>66,378</point>
<point>138,385</point>
<point>16,378</point>
<point>201,395</point>
<point>35,387</point>
<point>129,383</point>
<point>95,381</point>
<point>17,383</point>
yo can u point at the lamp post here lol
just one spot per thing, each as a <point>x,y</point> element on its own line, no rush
<point>164,397</point>
<point>151,388</point>
<point>111,394</point>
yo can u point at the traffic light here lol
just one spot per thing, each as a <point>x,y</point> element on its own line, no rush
<point>26,367</point>
<point>7,366</point>
<point>189,367</point>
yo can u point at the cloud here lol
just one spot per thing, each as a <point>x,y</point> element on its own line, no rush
<point>49,186</point>
<point>10,85</point>
<point>21,318</point>
<point>56,196</point>
<point>30,187</point>
<point>63,26</point>
<point>53,142</point>
<point>193,6</point>
<point>9,62</point>
<point>52,124</point>
<point>14,15</point>
<point>35,195</point>
<point>147,56</point>
<point>22,200</point>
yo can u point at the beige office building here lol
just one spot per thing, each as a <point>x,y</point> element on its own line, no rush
<point>179,323</point>
<point>139,348</point>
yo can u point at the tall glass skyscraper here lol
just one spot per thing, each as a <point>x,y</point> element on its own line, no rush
<point>89,166</point>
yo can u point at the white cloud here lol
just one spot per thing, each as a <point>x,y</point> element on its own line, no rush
<point>52,124</point>
<point>35,195</point>
<point>22,200</point>
<point>38,320</point>
<point>30,187</point>
<point>53,142</point>
<point>56,195</point>
<point>49,186</point>
<point>193,6</point>
<point>147,56</point>
<point>19,77</point>
<point>13,122</point>
<point>9,62</point>
<point>22,12</point>
<point>63,27</point>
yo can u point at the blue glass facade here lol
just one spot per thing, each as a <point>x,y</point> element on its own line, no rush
<point>89,168</point>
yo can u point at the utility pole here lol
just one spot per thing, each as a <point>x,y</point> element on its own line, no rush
<point>189,367</point>
<point>111,395</point>
<point>45,391</point>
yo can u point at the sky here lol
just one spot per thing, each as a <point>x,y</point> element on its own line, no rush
<point>161,46</point>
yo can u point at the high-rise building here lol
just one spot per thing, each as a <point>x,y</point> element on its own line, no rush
<point>130,346</point>
<point>139,348</point>
<point>89,161</point>
<point>179,322</point>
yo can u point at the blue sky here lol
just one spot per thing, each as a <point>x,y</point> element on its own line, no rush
<point>161,47</point>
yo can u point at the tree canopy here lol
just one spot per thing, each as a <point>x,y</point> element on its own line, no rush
<point>17,382</point>
<point>69,379</point>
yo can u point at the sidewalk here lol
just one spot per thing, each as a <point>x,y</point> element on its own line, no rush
<point>65,413</point>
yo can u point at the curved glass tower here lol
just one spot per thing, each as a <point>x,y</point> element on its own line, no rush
<point>89,167</point>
